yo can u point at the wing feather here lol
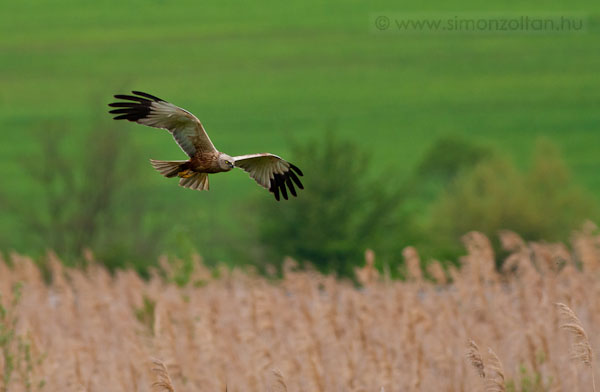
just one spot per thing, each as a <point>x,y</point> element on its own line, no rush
<point>271,172</point>
<point>152,111</point>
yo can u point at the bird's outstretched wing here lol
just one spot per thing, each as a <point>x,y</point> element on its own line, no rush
<point>149,110</point>
<point>271,172</point>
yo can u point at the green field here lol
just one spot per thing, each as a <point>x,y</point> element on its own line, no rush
<point>261,74</point>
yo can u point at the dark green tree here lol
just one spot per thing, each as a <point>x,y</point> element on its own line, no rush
<point>343,210</point>
<point>90,199</point>
<point>541,203</point>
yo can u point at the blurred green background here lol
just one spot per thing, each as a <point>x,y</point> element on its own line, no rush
<point>268,76</point>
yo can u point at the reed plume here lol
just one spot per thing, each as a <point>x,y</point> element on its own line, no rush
<point>581,349</point>
<point>474,356</point>
<point>163,381</point>
<point>494,380</point>
<point>276,382</point>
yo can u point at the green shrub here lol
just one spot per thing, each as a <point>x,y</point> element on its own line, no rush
<point>441,164</point>
<point>91,199</point>
<point>341,212</point>
<point>542,203</point>
<point>447,157</point>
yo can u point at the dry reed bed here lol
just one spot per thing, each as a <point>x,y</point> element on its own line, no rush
<point>322,335</point>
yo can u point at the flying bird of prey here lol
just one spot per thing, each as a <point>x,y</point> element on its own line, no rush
<point>268,170</point>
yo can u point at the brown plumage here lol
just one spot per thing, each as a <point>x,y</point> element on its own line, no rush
<point>268,170</point>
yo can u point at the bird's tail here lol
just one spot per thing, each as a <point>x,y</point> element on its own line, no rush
<point>189,178</point>
<point>198,181</point>
<point>169,168</point>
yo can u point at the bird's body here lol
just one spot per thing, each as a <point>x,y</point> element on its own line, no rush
<point>268,170</point>
<point>207,162</point>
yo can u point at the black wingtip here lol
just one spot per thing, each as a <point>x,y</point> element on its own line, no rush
<point>296,180</point>
<point>131,98</point>
<point>284,182</point>
<point>280,182</point>
<point>296,169</point>
<point>122,104</point>
<point>289,184</point>
<point>133,108</point>
<point>146,95</point>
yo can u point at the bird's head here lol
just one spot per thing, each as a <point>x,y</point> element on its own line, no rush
<point>226,162</point>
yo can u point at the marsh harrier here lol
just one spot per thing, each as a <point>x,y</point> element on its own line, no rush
<point>268,170</point>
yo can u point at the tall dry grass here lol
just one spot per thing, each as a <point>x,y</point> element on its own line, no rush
<point>95,332</point>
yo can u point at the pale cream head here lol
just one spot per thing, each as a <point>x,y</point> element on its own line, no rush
<point>226,162</point>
